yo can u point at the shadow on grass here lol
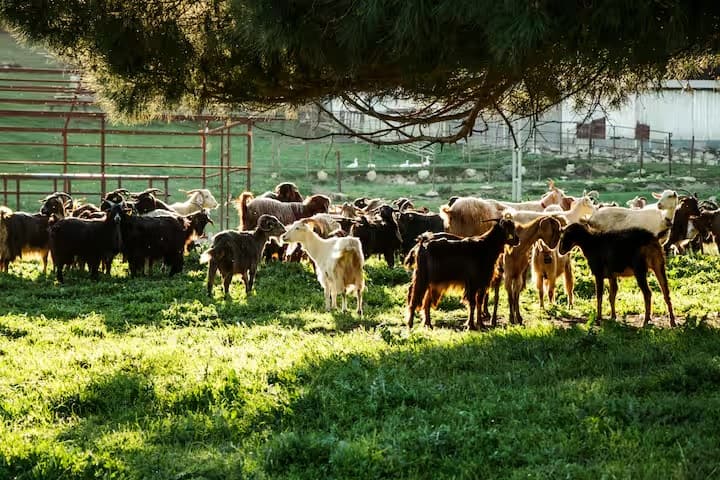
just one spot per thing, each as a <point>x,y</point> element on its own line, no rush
<point>518,402</point>
<point>285,294</point>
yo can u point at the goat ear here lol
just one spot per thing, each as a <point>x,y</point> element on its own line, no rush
<point>657,195</point>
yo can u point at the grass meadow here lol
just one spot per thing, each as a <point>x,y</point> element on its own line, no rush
<point>148,378</point>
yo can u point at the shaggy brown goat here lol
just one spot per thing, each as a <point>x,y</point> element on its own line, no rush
<point>250,209</point>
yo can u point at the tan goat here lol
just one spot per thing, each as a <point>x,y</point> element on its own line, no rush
<point>547,266</point>
<point>516,261</point>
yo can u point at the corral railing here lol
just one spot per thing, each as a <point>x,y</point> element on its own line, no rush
<point>47,143</point>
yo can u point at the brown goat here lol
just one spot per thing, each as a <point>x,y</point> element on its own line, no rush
<point>234,252</point>
<point>620,254</point>
<point>467,264</point>
<point>548,265</point>
<point>516,262</point>
<point>250,209</point>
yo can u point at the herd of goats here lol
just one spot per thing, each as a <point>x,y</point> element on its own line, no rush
<point>473,245</point>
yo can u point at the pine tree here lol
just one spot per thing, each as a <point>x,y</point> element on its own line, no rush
<point>460,58</point>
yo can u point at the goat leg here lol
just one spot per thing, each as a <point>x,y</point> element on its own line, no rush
<point>641,277</point>
<point>251,280</point>
<point>227,279</point>
<point>612,281</point>
<point>427,303</point>
<point>328,301</point>
<point>662,280</point>
<point>569,282</point>
<point>246,281</point>
<point>540,285</point>
<point>599,280</point>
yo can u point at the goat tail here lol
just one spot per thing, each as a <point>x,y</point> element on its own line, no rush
<point>241,205</point>
<point>207,255</point>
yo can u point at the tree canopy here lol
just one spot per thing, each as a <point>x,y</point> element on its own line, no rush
<point>456,59</point>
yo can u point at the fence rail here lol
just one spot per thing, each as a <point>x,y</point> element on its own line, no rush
<point>54,139</point>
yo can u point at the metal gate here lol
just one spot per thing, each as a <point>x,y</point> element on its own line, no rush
<point>54,138</point>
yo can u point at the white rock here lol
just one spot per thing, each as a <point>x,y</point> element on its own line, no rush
<point>322,175</point>
<point>423,174</point>
<point>371,175</point>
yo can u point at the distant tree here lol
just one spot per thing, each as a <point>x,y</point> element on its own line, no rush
<point>458,59</point>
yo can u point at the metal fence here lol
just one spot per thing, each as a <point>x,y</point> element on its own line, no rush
<point>54,138</point>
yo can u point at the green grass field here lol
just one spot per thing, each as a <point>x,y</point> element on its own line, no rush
<point>148,378</point>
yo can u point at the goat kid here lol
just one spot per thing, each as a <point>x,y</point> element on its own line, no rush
<point>547,266</point>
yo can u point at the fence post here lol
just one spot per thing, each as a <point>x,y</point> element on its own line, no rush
<point>516,174</point>
<point>692,153</point>
<point>590,157</point>
<point>519,175</point>
<point>227,177</point>
<point>613,147</point>
<point>642,146</point>
<point>102,155</point>
<point>669,153</point>
<point>307,160</point>
<point>338,172</point>
<point>248,161</point>
<point>203,144</point>
<point>513,175</point>
<point>221,184</point>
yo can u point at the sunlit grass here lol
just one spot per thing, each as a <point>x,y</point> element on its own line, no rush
<point>150,378</point>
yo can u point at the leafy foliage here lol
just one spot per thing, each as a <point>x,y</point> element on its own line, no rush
<point>461,59</point>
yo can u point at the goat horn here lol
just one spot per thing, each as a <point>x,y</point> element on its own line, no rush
<point>191,191</point>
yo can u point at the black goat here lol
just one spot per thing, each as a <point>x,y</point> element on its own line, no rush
<point>284,192</point>
<point>413,224</point>
<point>54,204</point>
<point>27,234</point>
<point>379,235</point>
<point>146,201</point>
<point>468,264</point>
<point>620,254</point>
<point>688,207</point>
<point>235,252</point>
<point>87,210</point>
<point>146,239</point>
<point>86,240</point>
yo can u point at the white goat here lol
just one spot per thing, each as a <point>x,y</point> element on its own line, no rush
<point>198,198</point>
<point>656,217</point>
<point>581,208</point>
<point>338,263</point>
